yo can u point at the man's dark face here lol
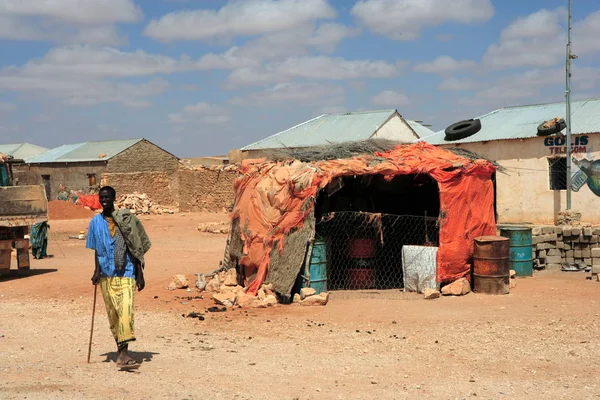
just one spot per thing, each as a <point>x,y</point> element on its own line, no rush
<point>107,200</point>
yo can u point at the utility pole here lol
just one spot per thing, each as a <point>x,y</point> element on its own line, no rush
<point>568,110</point>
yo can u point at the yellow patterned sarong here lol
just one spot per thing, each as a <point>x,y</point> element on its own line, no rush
<point>118,293</point>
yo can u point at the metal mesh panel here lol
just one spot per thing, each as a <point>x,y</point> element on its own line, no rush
<point>558,173</point>
<point>364,250</point>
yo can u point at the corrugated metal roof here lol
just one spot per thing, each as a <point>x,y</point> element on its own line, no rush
<point>521,122</point>
<point>22,151</point>
<point>84,152</point>
<point>327,129</point>
<point>420,130</point>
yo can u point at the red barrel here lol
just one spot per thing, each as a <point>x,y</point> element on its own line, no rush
<point>361,278</point>
<point>491,267</point>
<point>361,248</point>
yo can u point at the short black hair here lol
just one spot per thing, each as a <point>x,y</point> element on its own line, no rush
<point>108,189</point>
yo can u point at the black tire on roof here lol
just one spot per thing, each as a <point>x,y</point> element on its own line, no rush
<point>557,127</point>
<point>462,129</point>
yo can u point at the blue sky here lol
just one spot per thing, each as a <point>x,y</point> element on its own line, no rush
<point>201,77</point>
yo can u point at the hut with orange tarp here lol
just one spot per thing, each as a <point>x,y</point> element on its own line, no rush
<point>280,205</point>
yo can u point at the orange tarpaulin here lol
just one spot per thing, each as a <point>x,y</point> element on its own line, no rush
<point>274,198</point>
<point>92,201</point>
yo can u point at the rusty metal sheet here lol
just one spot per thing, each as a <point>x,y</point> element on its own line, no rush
<point>23,205</point>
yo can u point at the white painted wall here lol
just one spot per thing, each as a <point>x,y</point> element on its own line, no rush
<point>396,129</point>
<point>523,190</point>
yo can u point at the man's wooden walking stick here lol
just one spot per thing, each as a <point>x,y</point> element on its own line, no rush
<point>92,330</point>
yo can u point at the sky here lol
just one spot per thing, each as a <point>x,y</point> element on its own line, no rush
<point>201,77</point>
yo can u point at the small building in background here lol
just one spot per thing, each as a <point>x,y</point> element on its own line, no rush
<point>79,167</point>
<point>531,181</point>
<point>331,129</point>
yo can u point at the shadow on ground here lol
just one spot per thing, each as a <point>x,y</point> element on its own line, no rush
<point>16,274</point>
<point>138,356</point>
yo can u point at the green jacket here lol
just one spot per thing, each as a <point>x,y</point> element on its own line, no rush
<point>138,242</point>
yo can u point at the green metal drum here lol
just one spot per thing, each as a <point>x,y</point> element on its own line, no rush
<point>521,252</point>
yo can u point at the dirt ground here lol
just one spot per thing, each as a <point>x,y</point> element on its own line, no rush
<point>540,342</point>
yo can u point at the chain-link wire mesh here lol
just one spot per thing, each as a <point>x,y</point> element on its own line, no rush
<point>364,250</point>
<point>558,173</point>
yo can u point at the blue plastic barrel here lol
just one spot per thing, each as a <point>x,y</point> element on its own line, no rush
<point>521,253</point>
<point>318,267</point>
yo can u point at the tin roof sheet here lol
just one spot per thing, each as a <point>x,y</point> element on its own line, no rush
<point>23,151</point>
<point>521,122</point>
<point>84,152</point>
<point>327,129</point>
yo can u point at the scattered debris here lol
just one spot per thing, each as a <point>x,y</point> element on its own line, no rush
<point>316,300</point>
<point>214,227</point>
<point>230,277</point>
<point>214,285</point>
<point>225,298</point>
<point>178,282</point>
<point>200,282</point>
<point>431,294</point>
<point>306,292</point>
<point>459,287</point>
<point>195,315</point>
<point>139,203</point>
<point>216,309</point>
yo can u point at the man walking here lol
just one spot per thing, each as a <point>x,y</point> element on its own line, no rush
<point>120,242</point>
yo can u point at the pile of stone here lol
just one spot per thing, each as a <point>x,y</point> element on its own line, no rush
<point>231,167</point>
<point>214,227</point>
<point>309,297</point>
<point>560,246</point>
<point>227,292</point>
<point>139,203</point>
<point>572,218</point>
<point>459,287</point>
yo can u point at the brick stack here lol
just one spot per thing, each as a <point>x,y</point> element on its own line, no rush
<point>558,245</point>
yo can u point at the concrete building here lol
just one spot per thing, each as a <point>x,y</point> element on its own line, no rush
<point>531,184</point>
<point>80,166</point>
<point>330,129</point>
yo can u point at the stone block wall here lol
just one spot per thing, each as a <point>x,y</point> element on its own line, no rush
<point>160,187</point>
<point>143,156</point>
<point>185,190</point>
<point>558,245</point>
<point>206,190</point>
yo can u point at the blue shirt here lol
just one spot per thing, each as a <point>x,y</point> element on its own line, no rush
<point>99,239</point>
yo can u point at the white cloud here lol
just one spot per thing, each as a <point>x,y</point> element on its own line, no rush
<point>239,18</point>
<point>82,74</point>
<point>531,83</point>
<point>333,109</point>
<point>75,11</point>
<point>80,91</point>
<point>445,65</point>
<point>390,98</point>
<point>405,19</point>
<point>299,93</point>
<point>457,84</point>
<point>200,112</point>
<point>539,39</point>
<point>7,107</point>
<point>66,21</point>
<point>313,67</point>
<point>297,41</point>
<point>109,62</point>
